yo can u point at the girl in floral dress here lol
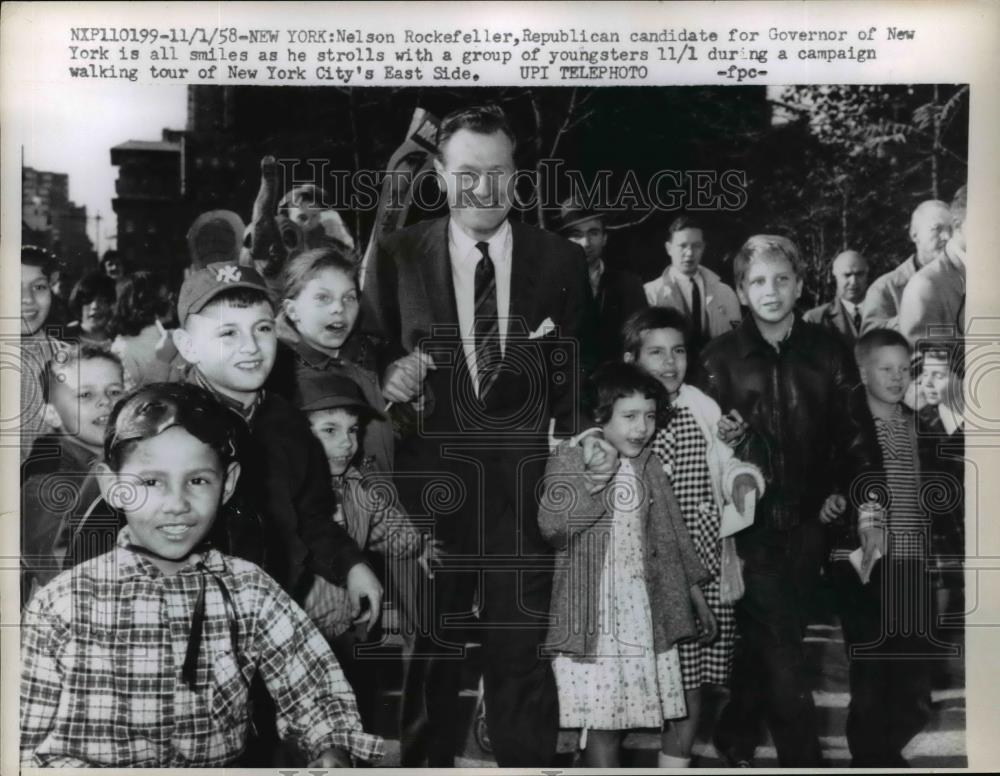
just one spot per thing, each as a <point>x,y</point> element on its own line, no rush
<point>704,476</point>
<point>626,587</point>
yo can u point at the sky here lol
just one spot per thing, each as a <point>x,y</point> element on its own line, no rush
<point>74,133</point>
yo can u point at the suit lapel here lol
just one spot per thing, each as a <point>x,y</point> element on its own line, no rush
<point>435,270</point>
<point>524,272</point>
<point>681,299</point>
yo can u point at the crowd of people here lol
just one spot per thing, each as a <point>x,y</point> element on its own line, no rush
<point>625,492</point>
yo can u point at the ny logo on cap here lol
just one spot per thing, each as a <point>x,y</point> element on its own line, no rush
<point>227,274</point>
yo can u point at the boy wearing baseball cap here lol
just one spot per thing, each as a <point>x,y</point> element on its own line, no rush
<point>143,656</point>
<point>227,336</point>
<point>367,507</point>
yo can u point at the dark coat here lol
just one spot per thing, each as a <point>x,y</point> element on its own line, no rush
<point>58,486</point>
<point>492,450</point>
<point>579,526</point>
<point>619,294</point>
<point>296,359</point>
<point>802,434</point>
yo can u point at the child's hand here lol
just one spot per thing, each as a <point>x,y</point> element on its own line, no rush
<point>742,485</point>
<point>832,509</point>
<point>405,376</point>
<point>731,428</point>
<point>429,558</point>
<point>362,583</point>
<point>331,758</point>
<point>600,462</point>
<point>709,626</point>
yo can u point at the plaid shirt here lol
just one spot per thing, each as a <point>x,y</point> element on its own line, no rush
<point>102,650</point>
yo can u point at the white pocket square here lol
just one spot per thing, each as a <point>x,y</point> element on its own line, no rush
<point>544,329</point>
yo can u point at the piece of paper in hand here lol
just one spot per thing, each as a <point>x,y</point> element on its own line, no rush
<point>857,556</point>
<point>733,521</point>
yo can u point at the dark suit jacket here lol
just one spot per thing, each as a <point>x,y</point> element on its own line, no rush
<point>486,456</point>
<point>619,294</point>
<point>833,316</point>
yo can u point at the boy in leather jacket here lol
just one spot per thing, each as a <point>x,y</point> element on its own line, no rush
<point>783,386</point>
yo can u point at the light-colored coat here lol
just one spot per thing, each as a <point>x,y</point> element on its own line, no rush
<point>723,466</point>
<point>722,307</point>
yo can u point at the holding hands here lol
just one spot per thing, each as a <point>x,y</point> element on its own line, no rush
<point>732,428</point>
<point>600,462</point>
<point>405,376</point>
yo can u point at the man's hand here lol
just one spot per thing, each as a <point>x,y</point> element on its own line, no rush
<point>872,548</point>
<point>832,508</point>
<point>706,618</point>
<point>600,462</point>
<point>732,428</point>
<point>331,758</point>
<point>742,485</point>
<point>404,377</point>
<point>362,583</point>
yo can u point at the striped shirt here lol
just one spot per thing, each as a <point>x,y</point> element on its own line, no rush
<point>102,649</point>
<point>908,525</point>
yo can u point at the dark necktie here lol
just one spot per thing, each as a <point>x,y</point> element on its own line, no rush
<point>695,309</point>
<point>486,325</point>
<point>857,320</point>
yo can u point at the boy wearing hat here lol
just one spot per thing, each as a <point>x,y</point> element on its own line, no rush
<point>367,507</point>
<point>617,292</point>
<point>227,335</point>
<point>143,656</point>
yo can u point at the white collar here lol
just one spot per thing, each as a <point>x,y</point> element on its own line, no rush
<point>681,279</point>
<point>465,246</point>
<point>851,307</point>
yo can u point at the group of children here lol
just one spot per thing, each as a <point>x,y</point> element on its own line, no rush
<point>214,533</point>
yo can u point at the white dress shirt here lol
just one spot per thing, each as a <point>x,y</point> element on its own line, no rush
<point>464,258</point>
<point>850,308</point>
<point>684,284</point>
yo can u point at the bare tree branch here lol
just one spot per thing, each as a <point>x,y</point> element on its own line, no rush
<point>629,224</point>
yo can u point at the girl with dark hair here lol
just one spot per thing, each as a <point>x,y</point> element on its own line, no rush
<point>143,311</point>
<point>626,589</point>
<point>90,304</point>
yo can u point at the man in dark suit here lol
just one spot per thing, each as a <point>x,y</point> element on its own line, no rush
<point>617,292</point>
<point>481,320</point>
<point>844,314</point>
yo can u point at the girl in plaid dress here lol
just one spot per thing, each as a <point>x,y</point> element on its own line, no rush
<point>704,475</point>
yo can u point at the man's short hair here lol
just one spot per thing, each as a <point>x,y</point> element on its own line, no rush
<point>875,339</point>
<point>761,245</point>
<point>650,319</point>
<point>958,205</point>
<point>69,355</point>
<point>923,207</point>
<point>482,119</point>
<point>684,222</point>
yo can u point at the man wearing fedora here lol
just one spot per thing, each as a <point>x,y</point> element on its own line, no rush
<point>617,292</point>
<point>710,305</point>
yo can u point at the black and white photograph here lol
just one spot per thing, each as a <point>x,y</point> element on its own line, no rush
<point>583,418</point>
